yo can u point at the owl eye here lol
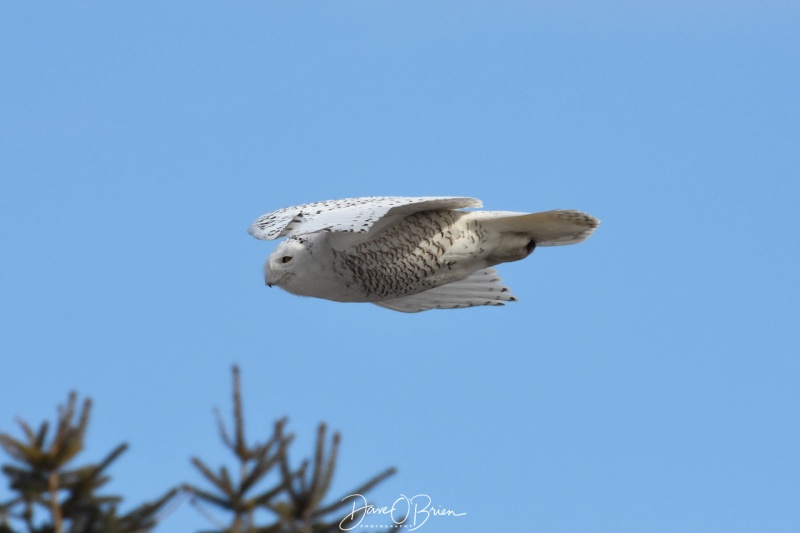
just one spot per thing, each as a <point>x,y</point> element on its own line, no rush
<point>286,258</point>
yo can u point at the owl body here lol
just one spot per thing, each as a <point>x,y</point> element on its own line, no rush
<point>408,254</point>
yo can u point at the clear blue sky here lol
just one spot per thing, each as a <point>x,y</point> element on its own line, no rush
<point>647,380</point>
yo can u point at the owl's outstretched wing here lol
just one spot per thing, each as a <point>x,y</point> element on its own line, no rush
<point>482,287</point>
<point>355,215</point>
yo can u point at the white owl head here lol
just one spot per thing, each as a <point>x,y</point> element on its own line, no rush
<point>291,263</point>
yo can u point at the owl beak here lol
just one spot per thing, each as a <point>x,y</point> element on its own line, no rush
<point>269,277</point>
<point>267,273</point>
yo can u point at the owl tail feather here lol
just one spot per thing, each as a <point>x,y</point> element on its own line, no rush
<point>549,228</point>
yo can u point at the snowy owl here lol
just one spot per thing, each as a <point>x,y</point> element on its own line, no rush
<point>407,254</point>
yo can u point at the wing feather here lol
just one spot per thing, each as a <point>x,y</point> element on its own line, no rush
<point>355,215</point>
<point>482,287</point>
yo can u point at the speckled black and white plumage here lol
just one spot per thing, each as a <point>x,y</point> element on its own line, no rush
<point>348,215</point>
<point>407,254</point>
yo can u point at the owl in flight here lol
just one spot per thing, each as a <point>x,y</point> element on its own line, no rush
<point>407,254</point>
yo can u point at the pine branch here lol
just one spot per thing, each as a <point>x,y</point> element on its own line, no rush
<point>68,498</point>
<point>296,499</point>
